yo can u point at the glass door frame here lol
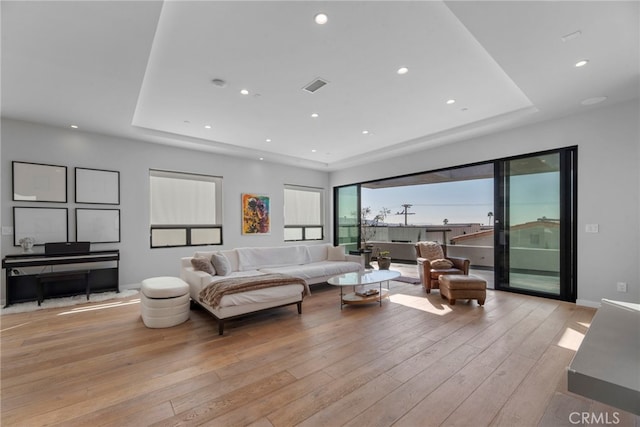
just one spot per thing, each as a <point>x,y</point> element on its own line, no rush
<point>336,216</point>
<point>568,225</point>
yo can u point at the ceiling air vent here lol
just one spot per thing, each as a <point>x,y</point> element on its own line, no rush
<point>314,85</point>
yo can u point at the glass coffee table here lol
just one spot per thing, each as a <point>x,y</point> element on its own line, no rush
<point>363,292</point>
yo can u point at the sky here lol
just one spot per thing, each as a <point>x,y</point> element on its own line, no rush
<point>459,202</point>
<point>533,196</point>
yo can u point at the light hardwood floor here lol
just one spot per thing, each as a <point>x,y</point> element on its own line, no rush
<point>415,361</point>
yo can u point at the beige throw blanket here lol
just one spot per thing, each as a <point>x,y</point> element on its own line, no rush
<point>213,293</point>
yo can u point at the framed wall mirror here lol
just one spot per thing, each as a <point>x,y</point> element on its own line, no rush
<point>34,182</point>
<point>98,225</point>
<point>97,186</point>
<point>41,224</point>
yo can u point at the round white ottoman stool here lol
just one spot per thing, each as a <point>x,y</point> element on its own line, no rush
<point>164,302</point>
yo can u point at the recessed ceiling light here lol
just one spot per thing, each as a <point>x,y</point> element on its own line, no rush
<point>402,70</point>
<point>365,132</point>
<point>594,100</point>
<point>451,101</point>
<point>244,92</point>
<point>582,63</point>
<point>74,126</point>
<point>321,18</point>
<point>314,115</point>
<point>268,140</point>
<point>207,126</point>
<point>261,158</point>
<point>314,150</point>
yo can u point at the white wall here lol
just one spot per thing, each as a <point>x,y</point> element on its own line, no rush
<point>37,143</point>
<point>608,187</point>
<point>608,141</point>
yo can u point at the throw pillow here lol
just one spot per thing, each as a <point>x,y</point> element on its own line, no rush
<point>431,250</point>
<point>335,253</point>
<point>221,264</point>
<point>203,264</point>
<point>440,264</point>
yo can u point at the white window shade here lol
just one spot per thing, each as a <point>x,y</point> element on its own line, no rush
<point>178,198</point>
<point>302,207</point>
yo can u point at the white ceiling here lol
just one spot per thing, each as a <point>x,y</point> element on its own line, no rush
<point>144,70</point>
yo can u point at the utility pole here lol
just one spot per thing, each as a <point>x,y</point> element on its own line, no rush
<point>405,212</point>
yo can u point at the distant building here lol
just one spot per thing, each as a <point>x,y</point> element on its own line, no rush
<point>481,238</point>
<point>416,233</point>
<point>446,232</point>
<point>543,234</point>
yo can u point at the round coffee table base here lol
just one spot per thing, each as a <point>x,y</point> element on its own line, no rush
<point>354,299</point>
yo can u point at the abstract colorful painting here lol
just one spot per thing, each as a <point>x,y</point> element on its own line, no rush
<point>256,217</point>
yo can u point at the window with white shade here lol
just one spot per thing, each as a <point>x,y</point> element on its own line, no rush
<point>185,209</point>
<point>303,213</point>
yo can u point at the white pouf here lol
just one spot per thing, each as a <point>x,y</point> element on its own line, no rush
<point>164,302</point>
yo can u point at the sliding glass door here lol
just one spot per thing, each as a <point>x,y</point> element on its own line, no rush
<point>533,215</point>
<point>535,224</point>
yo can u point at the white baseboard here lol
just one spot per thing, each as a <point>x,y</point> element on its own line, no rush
<point>587,303</point>
<point>130,286</point>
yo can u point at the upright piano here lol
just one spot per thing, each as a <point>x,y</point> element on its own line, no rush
<point>33,277</point>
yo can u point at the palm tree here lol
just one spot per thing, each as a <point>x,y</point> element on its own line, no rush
<point>445,221</point>
<point>490,215</point>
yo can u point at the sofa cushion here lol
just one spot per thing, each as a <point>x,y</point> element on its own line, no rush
<point>315,270</point>
<point>431,250</point>
<point>336,253</point>
<point>204,254</point>
<point>230,254</point>
<point>221,264</point>
<point>203,264</point>
<point>261,296</point>
<point>266,257</point>
<point>440,264</point>
<point>318,252</point>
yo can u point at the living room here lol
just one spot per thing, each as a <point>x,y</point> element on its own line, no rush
<point>606,135</point>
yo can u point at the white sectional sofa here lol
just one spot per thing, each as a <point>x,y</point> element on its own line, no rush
<point>312,263</point>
